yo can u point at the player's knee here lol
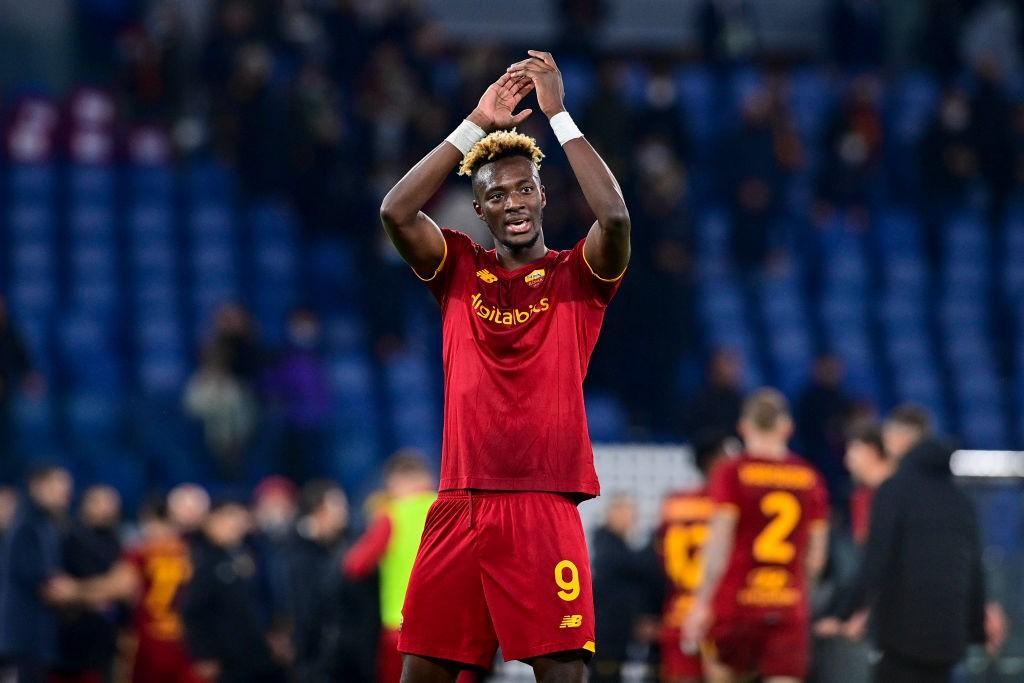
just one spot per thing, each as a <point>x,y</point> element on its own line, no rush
<point>561,667</point>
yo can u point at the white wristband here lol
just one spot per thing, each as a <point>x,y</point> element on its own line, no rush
<point>465,136</point>
<point>565,128</point>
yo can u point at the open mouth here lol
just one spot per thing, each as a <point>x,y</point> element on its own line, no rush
<point>519,226</point>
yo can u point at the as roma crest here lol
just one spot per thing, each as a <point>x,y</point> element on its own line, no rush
<point>535,278</point>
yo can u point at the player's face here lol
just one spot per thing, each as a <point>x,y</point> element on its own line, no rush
<point>510,199</point>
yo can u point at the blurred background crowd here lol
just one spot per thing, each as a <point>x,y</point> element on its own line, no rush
<point>826,197</point>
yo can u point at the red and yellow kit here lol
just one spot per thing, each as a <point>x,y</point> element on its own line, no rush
<point>761,605</point>
<point>516,346</point>
<point>508,564</point>
<point>680,538</point>
<point>164,567</point>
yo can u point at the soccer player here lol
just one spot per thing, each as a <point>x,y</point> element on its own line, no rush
<point>151,575</point>
<point>767,543</point>
<point>503,559</point>
<point>679,539</point>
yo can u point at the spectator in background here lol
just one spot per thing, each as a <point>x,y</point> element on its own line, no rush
<point>869,465</point>
<point>608,117</point>
<point>716,407</point>
<point>33,584</point>
<point>226,615</point>
<point>314,553</point>
<point>949,154</point>
<point>15,373</point>
<point>921,572</point>
<point>226,407</point>
<point>621,575</point>
<point>88,636</point>
<point>275,509</point>
<point>187,507</point>
<point>390,544</point>
<point>823,410</point>
<point>762,152</point>
<point>299,392</point>
<point>8,509</point>
<point>853,154</point>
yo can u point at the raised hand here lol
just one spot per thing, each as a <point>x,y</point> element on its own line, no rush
<point>542,71</point>
<point>494,111</point>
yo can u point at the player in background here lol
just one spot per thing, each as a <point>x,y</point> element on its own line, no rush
<point>679,539</point>
<point>503,557</point>
<point>150,576</point>
<point>390,544</point>
<point>767,544</point>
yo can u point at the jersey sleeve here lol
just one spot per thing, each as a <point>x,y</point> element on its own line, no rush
<point>817,503</point>
<point>457,247</point>
<point>724,487</point>
<point>598,289</point>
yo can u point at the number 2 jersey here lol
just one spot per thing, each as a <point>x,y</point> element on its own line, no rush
<point>516,347</point>
<point>777,503</point>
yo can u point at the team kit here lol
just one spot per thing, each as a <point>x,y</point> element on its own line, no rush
<point>503,560</point>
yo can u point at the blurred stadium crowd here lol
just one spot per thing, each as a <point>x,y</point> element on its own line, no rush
<point>197,287</point>
<point>213,172</point>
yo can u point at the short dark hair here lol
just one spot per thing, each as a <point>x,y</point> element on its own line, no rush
<point>406,461</point>
<point>154,508</point>
<point>765,408</point>
<point>313,495</point>
<point>867,432</point>
<point>44,470</point>
<point>912,416</point>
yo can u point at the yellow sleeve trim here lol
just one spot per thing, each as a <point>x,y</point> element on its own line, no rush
<point>590,646</point>
<point>444,257</point>
<point>730,508</point>
<point>583,253</point>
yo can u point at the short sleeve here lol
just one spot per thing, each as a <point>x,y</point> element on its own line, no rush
<point>457,246</point>
<point>601,290</point>
<point>724,487</point>
<point>817,504</point>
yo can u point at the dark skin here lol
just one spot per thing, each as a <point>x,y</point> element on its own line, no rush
<point>509,198</point>
<point>418,238</point>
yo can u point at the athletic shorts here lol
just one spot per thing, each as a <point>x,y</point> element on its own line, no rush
<point>158,661</point>
<point>675,663</point>
<point>499,568</point>
<point>755,646</point>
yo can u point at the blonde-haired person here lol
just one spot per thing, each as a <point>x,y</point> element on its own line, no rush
<point>503,557</point>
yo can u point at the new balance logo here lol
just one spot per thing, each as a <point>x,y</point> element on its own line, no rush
<point>571,621</point>
<point>487,276</point>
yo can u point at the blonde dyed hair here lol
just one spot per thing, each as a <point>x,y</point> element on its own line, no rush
<point>498,145</point>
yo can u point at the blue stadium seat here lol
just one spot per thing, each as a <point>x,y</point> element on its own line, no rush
<point>606,418</point>
<point>910,106</point>
<point>32,182</point>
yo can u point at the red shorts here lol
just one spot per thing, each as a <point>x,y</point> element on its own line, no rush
<point>499,568</point>
<point>748,645</point>
<point>159,661</point>
<point>675,663</point>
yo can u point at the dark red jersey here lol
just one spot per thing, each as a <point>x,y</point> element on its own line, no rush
<point>516,346</point>
<point>165,567</point>
<point>777,502</point>
<point>680,538</point>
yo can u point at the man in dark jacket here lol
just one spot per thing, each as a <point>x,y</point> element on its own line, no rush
<point>32,583</point>
<point>621,577</point>
<point>921,572</point>
<point>313,556</point>
<point>88,635</point>
<point>225,610</point>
